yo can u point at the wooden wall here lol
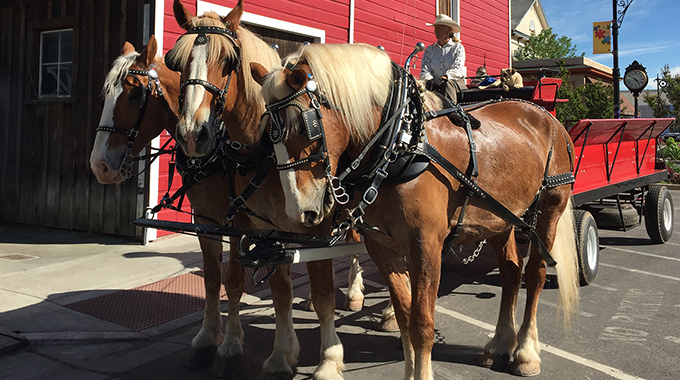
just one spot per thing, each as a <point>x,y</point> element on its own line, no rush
<point>45,144</point>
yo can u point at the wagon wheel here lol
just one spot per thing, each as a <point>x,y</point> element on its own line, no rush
<point>587,245</point>
<point>659,214</point>
<point>609,217</point>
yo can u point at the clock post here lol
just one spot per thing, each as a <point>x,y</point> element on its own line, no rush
<point>636,79</point>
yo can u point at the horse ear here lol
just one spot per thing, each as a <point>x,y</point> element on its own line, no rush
<point>127,48</point>
<point>234,17</point>
<point>258,72</point>
<point>297,79</point>
<point>182,15</point>
<point>149,53</point>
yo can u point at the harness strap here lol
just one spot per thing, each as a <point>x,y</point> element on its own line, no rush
<point>432,153</point>
<point>239,202</point>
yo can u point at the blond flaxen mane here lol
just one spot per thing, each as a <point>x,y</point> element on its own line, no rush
<point>220,48</point>
<point>119,69</point>
<point>355,78</point>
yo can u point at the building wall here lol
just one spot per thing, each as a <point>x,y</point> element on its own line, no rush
<point>45,178</point>
<point>395,24</point>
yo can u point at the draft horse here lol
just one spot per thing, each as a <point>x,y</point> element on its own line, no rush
<point>140,99</point>
<point>220,106</point>
<point>338,123</point>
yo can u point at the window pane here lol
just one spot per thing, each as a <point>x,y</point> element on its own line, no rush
<point>66,46</point>
<point>50,47</point>
<point>49,80</point>
<point>65,79</point>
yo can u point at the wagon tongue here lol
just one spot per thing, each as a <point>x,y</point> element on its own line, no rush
<point>264,248</point>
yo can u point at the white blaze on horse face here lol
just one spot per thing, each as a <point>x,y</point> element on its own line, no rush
<point>192,116</point>
<point>101,141</point>
<point>297,202</point>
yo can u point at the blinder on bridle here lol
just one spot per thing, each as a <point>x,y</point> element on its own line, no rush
<point>311,118</point>
<point>152,74</point>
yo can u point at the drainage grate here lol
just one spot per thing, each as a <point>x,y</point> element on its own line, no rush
<point>16,257</point>
<point>159,302</point>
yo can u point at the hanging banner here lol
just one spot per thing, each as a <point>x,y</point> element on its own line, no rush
<point>602,37</point>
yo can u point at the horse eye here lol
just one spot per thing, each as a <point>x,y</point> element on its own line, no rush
<point>134,95</point>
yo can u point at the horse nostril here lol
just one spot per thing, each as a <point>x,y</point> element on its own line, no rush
<point>310,217</point>
<point>202,135</point>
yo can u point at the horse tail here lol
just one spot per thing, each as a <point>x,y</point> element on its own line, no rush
<point>565,253</point>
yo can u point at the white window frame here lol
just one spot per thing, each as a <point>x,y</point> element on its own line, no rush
<point>59,63</point>
<point>318,35</point>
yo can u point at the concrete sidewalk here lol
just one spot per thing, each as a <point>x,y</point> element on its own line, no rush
<point>44,272</point>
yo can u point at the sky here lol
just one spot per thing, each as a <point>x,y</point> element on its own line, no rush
<point>649,33</point>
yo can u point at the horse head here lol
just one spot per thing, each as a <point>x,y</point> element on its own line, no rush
<point>218,96</point>
<point>138,102</point>
<point>319,106</point>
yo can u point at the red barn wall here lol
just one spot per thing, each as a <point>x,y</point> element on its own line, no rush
<point>395,24</point>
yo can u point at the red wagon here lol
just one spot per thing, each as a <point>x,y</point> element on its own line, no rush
<point>617,169</point>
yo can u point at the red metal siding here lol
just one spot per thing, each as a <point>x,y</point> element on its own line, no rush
<point>395,24</point>
<point>486,29</point>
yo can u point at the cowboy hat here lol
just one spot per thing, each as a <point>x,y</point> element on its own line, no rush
<point>445,20</point>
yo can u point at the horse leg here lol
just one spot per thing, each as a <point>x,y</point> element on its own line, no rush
<point>230,353</point>
<point>284,356</point>
<point>388,321</point>
<point>394,271</point>
<point>355,290</point>
<point>498,350</point>
<point>425,269</point>
<point>204,344</point>
<point>323,293</point>
<point>556,229</point>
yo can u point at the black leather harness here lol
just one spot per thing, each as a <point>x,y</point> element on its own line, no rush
<point>401,138</point>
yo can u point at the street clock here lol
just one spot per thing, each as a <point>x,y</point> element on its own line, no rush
<point>635,78</point>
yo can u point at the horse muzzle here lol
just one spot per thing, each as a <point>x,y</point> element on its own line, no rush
<point>197,141</point>
<point>105,173</point>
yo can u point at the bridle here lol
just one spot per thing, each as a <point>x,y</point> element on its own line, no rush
<point>202,39</point>
<point>152,74</point>
<point>311,118</point>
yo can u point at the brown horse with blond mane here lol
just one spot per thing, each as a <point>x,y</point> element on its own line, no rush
<point>324,110</point>
<point>221,101</point>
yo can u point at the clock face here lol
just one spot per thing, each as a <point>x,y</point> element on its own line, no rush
<point>635,80</point>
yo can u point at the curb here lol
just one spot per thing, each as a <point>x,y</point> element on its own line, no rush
<point>11,342</point>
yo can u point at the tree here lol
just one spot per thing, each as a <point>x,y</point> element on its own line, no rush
<point>547,45</point>
<point>672,92</point>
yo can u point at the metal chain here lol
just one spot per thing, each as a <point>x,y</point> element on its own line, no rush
<point>474,254</point>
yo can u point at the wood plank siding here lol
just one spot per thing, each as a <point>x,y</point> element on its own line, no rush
<point>45,178</point>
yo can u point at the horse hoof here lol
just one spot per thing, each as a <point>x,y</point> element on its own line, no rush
<point>526,369</point>
<point>200,358</point>
<point>227,367</point>
<point>389,324</point>
<point>494,361</point>
<point>276,376</point>
<point>308,305</point>
<point>354,304</point>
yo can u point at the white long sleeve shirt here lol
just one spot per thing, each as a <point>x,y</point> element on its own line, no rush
<point>439,60</point>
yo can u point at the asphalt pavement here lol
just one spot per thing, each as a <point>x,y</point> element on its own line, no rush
<point>627,328</point>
